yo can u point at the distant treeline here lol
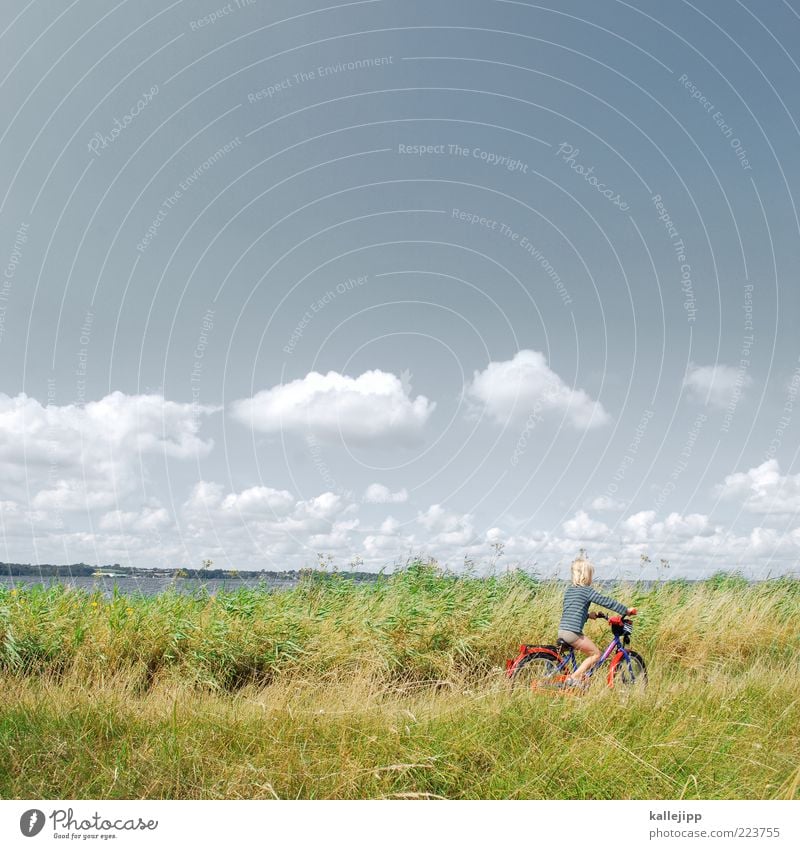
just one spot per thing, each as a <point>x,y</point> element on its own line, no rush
<point>80,570</point>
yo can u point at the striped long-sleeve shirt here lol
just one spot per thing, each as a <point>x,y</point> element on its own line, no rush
<point>576,607</point>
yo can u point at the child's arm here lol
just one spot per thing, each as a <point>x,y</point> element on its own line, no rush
<point>610,603</point>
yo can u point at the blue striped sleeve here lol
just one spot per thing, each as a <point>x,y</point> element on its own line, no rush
<point>605,601</point>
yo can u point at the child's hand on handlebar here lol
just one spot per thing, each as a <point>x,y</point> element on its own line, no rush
<point>632,611</point>
<point>593,615</point>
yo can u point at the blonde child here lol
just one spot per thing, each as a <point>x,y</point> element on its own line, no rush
<point>577,599</point>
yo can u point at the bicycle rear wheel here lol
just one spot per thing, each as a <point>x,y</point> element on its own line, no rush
<point>630,673</point>
<point>538,667</point>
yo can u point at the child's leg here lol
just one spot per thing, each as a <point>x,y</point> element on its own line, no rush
<point>585,645</point>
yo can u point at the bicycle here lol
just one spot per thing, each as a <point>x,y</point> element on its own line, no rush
<point>548,666</point>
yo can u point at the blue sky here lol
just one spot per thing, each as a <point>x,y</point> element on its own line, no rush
<point>377,279</point>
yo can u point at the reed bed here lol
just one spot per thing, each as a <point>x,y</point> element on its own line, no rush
<point>338,689</point>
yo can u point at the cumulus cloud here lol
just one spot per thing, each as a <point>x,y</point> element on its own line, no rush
<point>525,386</point>
<point>34,433</point>
<point>259,501</point>
<point>606,503</point>
<point>68,495</point>
<point>268,511</point>
<point>147,520</point>
<point>641,527</point>
<point>323,508</point>
<point>689,541</point>
<point>59,461</point>
<point>70,457</point>
<point>376,405</point>
<point>205,495</point>
<point>717,385</point>
<point>676,525</point>
<point>389,543</point>
<point>581,526</point>
<point>637,527</point>
<point>264,527</point>
<point>377,493</point>
<point>390,525</point>
<point>446,527</point>
<point>763,489</point>
<point>73,477</point>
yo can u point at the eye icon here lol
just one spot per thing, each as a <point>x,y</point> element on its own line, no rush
<point>31,822</point>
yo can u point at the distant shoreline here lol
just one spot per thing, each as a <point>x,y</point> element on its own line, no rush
<point>292,576</point>
<point>84,570</point>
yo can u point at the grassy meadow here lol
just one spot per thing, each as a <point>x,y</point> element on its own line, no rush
<point>392,689</point>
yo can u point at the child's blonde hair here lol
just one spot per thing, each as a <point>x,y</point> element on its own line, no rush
<point>582,572</point>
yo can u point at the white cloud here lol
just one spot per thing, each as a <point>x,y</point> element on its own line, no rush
<point>376,405</point>
<point>643,527</point>
<point>70,458</point>
<point>446,527</point>
<point>328,523</point>
<point>390,525</point>
<point>606,503</point>
<point>639,528</point>
<point>59,461</point>
<point>581,526</point>
<point>377,493</point>
<point>526,387</point>
<point>241,530</point>
<point>388,544</point>
<point>383,548</point>
<point>68,495</point>
<point>436,518</point>
<point>323,508</point>
<point>117,426</point>
<point>718,385</point>
<point>636,528</point>
<point>259,501</point>
<point>147,520</point>
<point>263,527</point>
<point>146,423</point>
<point>339,537</point>
<point>264,513</point>
<point>675,525</point>
<point>763,489</point>
<point>204,496</point>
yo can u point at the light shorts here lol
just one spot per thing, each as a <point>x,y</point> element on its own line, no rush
<point>568,636</point>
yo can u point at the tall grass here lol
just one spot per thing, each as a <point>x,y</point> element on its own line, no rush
<point>337,689</point>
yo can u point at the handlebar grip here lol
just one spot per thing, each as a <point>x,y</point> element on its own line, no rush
<point>601,615</point>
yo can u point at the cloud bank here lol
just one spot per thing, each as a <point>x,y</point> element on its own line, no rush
<point>375,406</point>
<point>525,386</point>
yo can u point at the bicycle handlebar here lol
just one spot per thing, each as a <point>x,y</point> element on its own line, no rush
<point>600,615</point>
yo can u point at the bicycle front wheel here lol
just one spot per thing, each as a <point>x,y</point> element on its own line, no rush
<point>535,668</point>
<point>630,672</point>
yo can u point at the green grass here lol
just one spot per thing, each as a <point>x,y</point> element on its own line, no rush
<point>394,689</point>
